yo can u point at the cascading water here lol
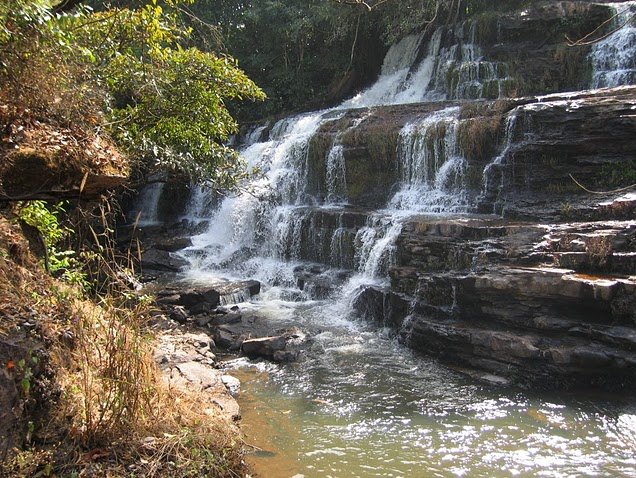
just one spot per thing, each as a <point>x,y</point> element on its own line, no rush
<point>394,76</point>
<point>431,165</point>
<point>461,72</point>
<point>456,71</point>
<point>265,210</point>
<point>492,176</point>
<point>147,205</point>
<point>361,405</point>
<point>614,58</point>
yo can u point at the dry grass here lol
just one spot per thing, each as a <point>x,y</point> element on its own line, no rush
<point>50,105</point>
<point>478,137</point>
<point>114,415</point>
<point>599,251</point>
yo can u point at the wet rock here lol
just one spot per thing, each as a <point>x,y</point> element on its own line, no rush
<point>264,346</point>
<point>233,384</point>
<point>159,260</point>
<point>286,347</point>
<point>193,297</point>
<point>235,292</point>
<point>382,306</point>
<point>172,244</point>
<point>228,338</point>
<point>178,313</point>
<point>225,319</point>
<point>203,320</point>
<point>237,257</point>
<point>318,281</point>
<point>283,356</point>
<point>194,301</point>
<point>202,307</point>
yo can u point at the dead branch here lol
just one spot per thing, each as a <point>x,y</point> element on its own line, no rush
<point>620,190</point>
<point>584,40</point>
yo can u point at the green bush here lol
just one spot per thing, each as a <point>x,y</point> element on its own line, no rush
<point>60,262</point>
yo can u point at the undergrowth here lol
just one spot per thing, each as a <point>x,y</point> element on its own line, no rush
<point>89,400</point>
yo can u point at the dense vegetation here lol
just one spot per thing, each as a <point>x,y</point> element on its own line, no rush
<point>123,91</point>
<point>127,73</point>
<point>308,54</point>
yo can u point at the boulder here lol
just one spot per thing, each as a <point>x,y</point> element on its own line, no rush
<point>224,319</point>
<point>177,313</point>
<point>232,384</point>
<point>172,244</point>
<point>264,347</point>
<point>240,291</point>
<point>160,260</point>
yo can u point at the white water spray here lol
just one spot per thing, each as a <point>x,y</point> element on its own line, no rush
<point>614,58</point>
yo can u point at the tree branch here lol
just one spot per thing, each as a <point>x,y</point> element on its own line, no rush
<point>620,190</point>
<point>584,40</point>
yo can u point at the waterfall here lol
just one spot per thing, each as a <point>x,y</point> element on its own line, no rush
<point>461,72</point>
<point>375,246</point>
<point>393,76</point>
<point>455,71</point>
<point>492,177</point>
<point>431,165</point>
<point>279,220</point>
<point>270,227</point>
<point>336,175</point>
<point>147,205</point>
<point>614,58</point>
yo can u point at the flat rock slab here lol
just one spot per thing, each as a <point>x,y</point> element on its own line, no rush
<point>204,299</point>
<point>264,346</point>
<point>161,260</point>
<point>188,364</point>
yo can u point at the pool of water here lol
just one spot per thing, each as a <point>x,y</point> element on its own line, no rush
<point>361,405</point>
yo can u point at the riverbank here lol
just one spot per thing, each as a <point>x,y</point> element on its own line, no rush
<point>358,403</point>
<point>80,391</point>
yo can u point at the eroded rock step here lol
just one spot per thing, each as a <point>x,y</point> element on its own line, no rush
<point>540,326</point>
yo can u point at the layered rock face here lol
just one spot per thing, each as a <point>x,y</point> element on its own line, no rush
<point>544,293</point>
<point>509,298</point>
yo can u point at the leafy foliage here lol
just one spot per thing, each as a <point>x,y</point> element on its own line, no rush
<point>300,51</point>
<point>62,262</point>
<point>169,102</point>
<point>132,73</point>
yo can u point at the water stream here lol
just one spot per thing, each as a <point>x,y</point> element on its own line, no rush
<point>363,406</point>
<point>359,404</point>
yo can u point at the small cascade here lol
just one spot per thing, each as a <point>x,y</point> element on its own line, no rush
<point>420,80</point>
<point>147,205</point>
<point>492,176</point>
<point>288,224</point>
<point>431,165</point>
<point>394,75</point>
<point>336,175</point>
<point>201,205</point>
<point>336,169</point>
<point>614,58</point>
<point>454,67</point>
<point>375,246</point>
<point>339,252</point>
<point>462,72</point>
